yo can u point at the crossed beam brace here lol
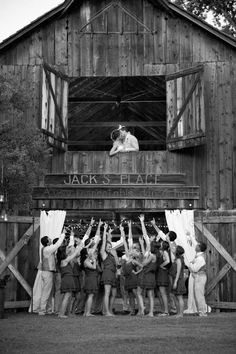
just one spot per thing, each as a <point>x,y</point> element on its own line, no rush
<point>6,260</point>
<point>231,261</point>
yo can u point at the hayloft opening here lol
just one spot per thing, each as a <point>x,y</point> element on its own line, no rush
<point>97,105</point>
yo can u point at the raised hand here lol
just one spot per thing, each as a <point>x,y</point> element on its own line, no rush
<point>141,217</point>
<point>141,241</point>
<point>153,221</point>
<point>92,221</point>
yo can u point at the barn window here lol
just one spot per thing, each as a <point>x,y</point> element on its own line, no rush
<point>163,112</point>
<point>98,104</point>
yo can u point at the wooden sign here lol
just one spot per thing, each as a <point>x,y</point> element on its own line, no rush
<point>116,192</point>
<point>114,179</point>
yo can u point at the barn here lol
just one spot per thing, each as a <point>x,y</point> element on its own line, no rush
<point>166,75</point>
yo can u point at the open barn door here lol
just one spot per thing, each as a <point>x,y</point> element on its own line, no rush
<point>54,107</point>
<point>185,109</point>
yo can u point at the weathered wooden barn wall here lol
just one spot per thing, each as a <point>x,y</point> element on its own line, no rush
<point>115,44</point>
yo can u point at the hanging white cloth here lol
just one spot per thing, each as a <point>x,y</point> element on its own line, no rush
<point>51,224</point>
<point>182,222</point>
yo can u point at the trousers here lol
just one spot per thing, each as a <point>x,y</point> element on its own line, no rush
<point>47,285</point>
<point>199,291</point>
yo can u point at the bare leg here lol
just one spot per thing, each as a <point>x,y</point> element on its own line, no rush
<point>140,301</point>
<point>107,288</point>
<point>164,298</point>
<point>112,299</point>
<point>88,305</point>
<point>150,294</point>
<point>64,304</point>
<point>181,305</point>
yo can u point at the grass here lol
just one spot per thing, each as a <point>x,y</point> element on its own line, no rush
<point>31,334</point>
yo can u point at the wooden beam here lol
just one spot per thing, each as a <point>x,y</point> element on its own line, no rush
<point>23,241</point>
<point>21,219</point>
<point>184,142</point>
<point>17,275</point>
<point>16,304</point>
<point>216,244</point>
<point>115,125</point>
<point>109,101</point>
<point>216,219</point>
<point>212,284</point>
<point>223,305</point>
<point>133,192</point>
<point>108,142</point>
<point>114,178</point>
<point>185,72</point>
<point>46,132</point>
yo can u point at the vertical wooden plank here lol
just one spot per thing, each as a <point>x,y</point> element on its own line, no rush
<point>125,54</point>
<point>185,48</point>
<point>52,115</point>
<point>48,39</point>
<point>35,48</point>
<point>212,175</point>
<point>225,122</point>
<point>170,102</point>
<point>99,54</point>
<point>61,45</point>
<point>160,37</point>
<point>112,55</point>
<point>148,37</point>
<point>173,40</point>
<point>179,103</point>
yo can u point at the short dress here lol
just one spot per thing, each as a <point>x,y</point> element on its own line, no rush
<point>148,281</point>
<point>181,288</point>
<point>67,279</point>
<point>91,281</point>
<point>109,271</point>
<point>162,276</point>
<point>76,272</point>
<point>131,280</point>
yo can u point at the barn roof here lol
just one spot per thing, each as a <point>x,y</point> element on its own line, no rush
<point>164,4</point>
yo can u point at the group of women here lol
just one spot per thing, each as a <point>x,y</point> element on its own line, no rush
<point>152,262</point>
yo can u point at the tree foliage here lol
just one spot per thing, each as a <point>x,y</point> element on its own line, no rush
<point>22,147</point>
<point>224,12</point>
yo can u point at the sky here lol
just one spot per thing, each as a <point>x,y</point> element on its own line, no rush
<point>16,14</point>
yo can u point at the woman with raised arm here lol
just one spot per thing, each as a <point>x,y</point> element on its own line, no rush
<point>108,274</point>
<point>129,268</point>
<point>163,275</point>
<point>68,285</point>
<point>90,265</point>
<point>148,281</point>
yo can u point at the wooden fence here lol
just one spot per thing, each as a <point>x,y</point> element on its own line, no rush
<point>19,256</point>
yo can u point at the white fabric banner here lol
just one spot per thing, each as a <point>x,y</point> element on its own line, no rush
<point>51,224</point>
<point>182,222</point>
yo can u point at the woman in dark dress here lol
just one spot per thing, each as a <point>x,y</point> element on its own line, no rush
<point>177,274</point>
<point>108,274</point>
<point>68,285</point>
<point>163,275</point>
